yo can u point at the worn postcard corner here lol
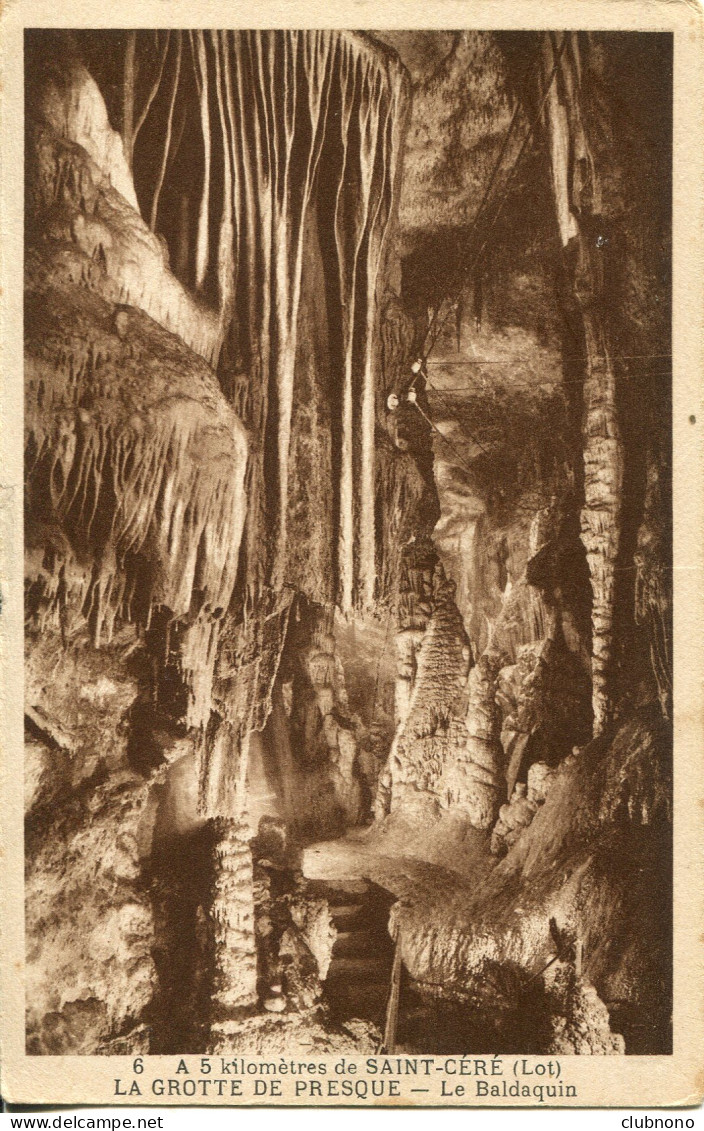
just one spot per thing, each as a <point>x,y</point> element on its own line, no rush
<point>352,547</point>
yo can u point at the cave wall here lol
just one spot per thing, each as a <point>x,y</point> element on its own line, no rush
<point>195,374</point>
<point>545,318</point>
<point>594,861</point>
<point>505,448</point>
<point>235,567</point>
<point>280,146</point>
<point>553,350</point>
<point>613,215</point>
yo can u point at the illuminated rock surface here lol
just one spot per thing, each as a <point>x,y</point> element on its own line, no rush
<point>312,632</point>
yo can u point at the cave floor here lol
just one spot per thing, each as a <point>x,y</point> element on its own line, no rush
<point>433,871</point>
<point>404,857</point>
<point>366,872</point>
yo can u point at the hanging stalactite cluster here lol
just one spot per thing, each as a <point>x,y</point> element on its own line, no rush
<point>294,142</point>
<point>137,465</point>
<point>266,165</point>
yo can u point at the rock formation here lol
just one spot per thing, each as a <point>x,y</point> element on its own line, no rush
<point>346,539</point>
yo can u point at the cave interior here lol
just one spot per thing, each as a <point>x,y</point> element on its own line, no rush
<point>348,542</point>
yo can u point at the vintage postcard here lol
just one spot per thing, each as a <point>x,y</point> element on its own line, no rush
<point>352,546</point>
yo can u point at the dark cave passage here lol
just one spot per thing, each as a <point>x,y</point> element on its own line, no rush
<point>357,983</point>
<point>178,874</point>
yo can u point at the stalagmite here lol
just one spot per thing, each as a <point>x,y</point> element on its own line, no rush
<point>232,916</point>
<point>434,660</point>
<point>485,786</point>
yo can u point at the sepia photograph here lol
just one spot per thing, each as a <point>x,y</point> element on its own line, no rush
<point>348,552</point>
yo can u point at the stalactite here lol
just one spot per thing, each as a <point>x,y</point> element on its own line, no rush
<point>323,738</point>
<point>347,280</point>
<point>121,260</point>
<point>146,483</point>
<point>601,515</point>
<point>167,137</point>
<point>577,191</point>
<point>393,135</point>
<point>128,82</point>
<point>200,64</point>
<point>271,107</point>
<point>153,89</point>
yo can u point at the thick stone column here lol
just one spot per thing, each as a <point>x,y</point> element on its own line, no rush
<point>579,204</point>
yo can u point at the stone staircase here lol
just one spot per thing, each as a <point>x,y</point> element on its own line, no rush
<point>358,979</point>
